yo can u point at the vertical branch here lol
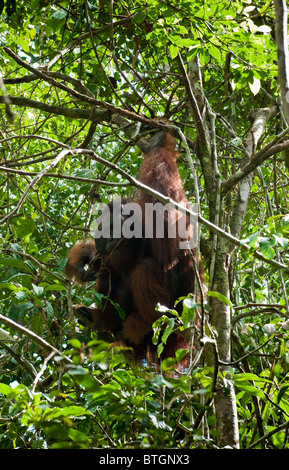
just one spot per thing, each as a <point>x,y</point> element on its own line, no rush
<point>282,52</point>
<point>196,190</point>
<point>259,119</point>
<point>6,101</point>
<point>217,176</point>
<point>70,309</point>
<point>225,400</point>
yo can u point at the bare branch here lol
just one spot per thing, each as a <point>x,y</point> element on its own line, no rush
<point>85,98</point>
<point>33,182</point>
<point>64,177</point>
<point>259,118</point>
<point>259,157</point>
<point>94,115</point>
<point>282,51</point>
<point>15,326</point>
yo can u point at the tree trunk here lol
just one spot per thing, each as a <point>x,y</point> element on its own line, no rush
<point>225,401</point>
<point>220,250</point>
<point>282,51</point>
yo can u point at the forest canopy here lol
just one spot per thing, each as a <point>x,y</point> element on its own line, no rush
<point>78,81</point>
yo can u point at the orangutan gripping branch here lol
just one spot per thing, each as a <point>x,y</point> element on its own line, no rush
<point>139,272</point>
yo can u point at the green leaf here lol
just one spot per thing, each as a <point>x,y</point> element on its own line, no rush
<point>283,242</point>
<point>25,228</point>
<point>168,363</point>
<point>72,411</point>
<point>8,285</point>
<point>55,287</point>
<point>78,436</point>
<point>16,263</point>
<point>59,14</point>
<point>189,302</point>
<point>180,354</point>
<point>253,239</point>
<point>264,29</point>
<point>75,343</point>
<point>84,378</point>
<point>221,297</point>
<point>38,290</point>
<point>245,376</point>
<point>24,45</point>
<point>267,250</point>
<point>123,377</point>
<point>215,52</point>
<point>5,389</point>
<point>140,16</point>
<point>169,329</point>
<point>173,51</point>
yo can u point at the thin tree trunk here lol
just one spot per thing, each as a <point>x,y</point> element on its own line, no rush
<point>225,400</point>
<point>221,249</point>
<point>225,403</point>
<point>282,51</point>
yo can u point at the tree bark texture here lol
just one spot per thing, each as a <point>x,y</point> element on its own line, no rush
<point>282,51</point>
<point>220,312</point>
<point>225,402</point>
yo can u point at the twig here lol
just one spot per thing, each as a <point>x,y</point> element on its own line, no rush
<point>269,434</point>
<point>33,182</point>
<point>85,98</point>
<point>62,176</point>
<point>15,326</point>
<point>267,310</point>
<point>42,370</point>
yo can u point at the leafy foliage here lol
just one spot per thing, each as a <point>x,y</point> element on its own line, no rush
<point>85,393</point>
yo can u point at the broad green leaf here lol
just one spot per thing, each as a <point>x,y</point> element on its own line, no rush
<point>221,297</point>
<point>59,14</point>
<point>24,45</point>
<point>5,389</point>
<point>173,51</point>
<point>267,250</point>
<point>55,287</point>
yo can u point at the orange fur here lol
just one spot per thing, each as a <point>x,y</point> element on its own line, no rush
<point>81,256</point>
<point>138,275</point>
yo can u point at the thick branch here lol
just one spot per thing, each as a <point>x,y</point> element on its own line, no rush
<point>260,157</point>
<point>94,115</point>
<point>194,105</point>
<point>282,51</point>
<point>78,84</point>
<point>85,98</point>
<point>260,117</point>
<point>64,177</point>
<point>166,200</point>
<point>195,94</point>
